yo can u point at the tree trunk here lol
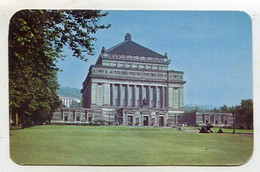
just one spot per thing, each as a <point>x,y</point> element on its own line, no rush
<point>16,119</point>
<point>10,119</point>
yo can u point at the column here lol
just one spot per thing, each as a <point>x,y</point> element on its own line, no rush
<point>155,97</point>
<point>148,96</point>
<point>141,95</point>
<point>181,98</point>
<point>163,98</point>
<point>119,94</point>
<point>133,96</point>
<point>124,121</point>
<point>127,94</point>
<point>158,97</point>
<point>112,94</point>
<point>93,93</point>
<point>106,94</point>
<point>144,93</point>
<point>137,95</point>
<point>152,96</point>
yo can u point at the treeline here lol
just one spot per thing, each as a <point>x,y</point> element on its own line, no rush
<point>36,41</point>
<point>243,113</point>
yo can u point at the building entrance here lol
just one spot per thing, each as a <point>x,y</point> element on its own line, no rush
<point>145,120</point>
<point>161,121</point>
<point>130,120</point>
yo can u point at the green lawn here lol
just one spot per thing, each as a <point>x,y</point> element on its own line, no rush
<point>117,145</point>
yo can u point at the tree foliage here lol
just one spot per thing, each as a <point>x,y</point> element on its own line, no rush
<point>243,113</point>
<point>36,41</point>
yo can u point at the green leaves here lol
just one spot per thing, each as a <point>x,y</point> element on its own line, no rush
<point>36,41</point>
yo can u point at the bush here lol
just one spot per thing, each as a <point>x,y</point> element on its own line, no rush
<point>220,131</point>
<point>241,127</point>
<point>203,130</point>
<point>99,122</point>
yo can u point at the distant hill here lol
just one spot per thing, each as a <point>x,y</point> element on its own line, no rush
<point>70,92</point>
<point>188,107</point>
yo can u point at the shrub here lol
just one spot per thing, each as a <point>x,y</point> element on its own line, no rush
<point>241,127</point>
<point>203,130</point>
<point>220,131</point>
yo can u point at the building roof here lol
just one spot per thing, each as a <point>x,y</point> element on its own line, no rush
<point>129,47</point>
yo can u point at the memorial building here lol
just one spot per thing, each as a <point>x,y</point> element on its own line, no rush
<point>132,85</point>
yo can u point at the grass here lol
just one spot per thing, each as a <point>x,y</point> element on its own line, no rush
<point>15,128</point>
<point>117,145</point>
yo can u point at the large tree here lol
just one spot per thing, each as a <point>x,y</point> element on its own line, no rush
<point>36,41</point>
<point>243,113</point>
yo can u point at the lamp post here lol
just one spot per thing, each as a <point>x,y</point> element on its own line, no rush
<point>233,123</point>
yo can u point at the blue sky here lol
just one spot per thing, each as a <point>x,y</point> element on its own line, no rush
<point>213,49</point>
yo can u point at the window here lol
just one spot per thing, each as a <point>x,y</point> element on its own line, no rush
<point>90,118</point>
<point>113,64</point>
<point>148,67</point>
<point>216,122</point>
<point>134,66</point>
<point>141,66</point>
<point>127,65</point>
<point>120,65</point>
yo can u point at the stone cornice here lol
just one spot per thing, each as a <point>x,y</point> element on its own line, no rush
<point>137,79</point>
<point>107,56</point>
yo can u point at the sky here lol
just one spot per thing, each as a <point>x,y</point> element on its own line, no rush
<point>212,48</point>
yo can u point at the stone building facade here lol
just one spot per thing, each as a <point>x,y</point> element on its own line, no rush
<point>67,101</point>
<point>204,118</point>
<point>132,85</point>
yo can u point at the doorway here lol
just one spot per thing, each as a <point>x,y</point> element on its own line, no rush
<point>130,120</point>
<point>145,120</point>
<point>161,121</point>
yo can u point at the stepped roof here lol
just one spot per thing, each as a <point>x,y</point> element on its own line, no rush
<point>129,47</point>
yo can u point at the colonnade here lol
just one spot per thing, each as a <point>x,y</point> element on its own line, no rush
<point>127,95</point>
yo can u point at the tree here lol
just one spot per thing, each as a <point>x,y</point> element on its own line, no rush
<point>245,110</point>
<point>76,104</point>
<point>243,113</point>
<point>36,41</point>
<point>224,109</point>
